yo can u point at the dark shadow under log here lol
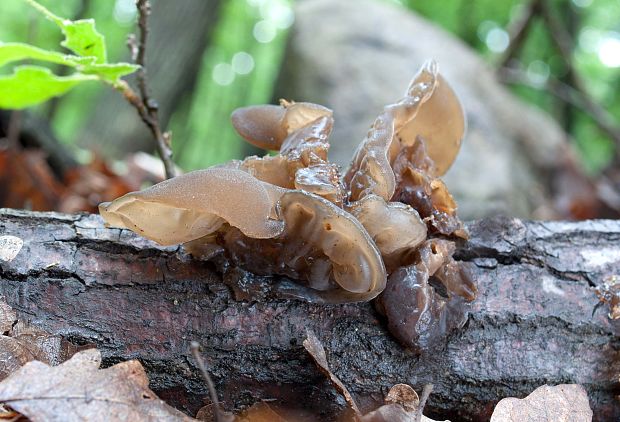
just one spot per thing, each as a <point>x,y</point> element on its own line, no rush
<point>532,324</point>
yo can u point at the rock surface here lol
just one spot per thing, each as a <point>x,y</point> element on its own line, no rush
<point>356,56</point>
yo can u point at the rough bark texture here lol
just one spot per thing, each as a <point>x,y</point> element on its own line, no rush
<point>532,324</point>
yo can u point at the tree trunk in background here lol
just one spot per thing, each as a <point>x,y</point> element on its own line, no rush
<point>178,35</point>
<point>532,324</point>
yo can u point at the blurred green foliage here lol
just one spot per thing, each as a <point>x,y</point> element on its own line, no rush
<point>19,22</point>
<point>237,70</point>
<point>30,85</point>
<point>591,23</point>
<point>241,64</point>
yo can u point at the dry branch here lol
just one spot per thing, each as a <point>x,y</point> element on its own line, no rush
<point>532,324</point>
<point>146,106</point>
<point>577,95</point>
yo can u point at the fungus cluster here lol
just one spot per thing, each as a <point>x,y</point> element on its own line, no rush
<point>389,221</point>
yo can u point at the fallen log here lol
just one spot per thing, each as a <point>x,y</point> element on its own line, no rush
<point>534,321</point>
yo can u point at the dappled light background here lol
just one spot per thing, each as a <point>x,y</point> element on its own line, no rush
<point>235,53</point>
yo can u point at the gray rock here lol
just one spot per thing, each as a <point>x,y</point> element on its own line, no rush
<point>357,56</point>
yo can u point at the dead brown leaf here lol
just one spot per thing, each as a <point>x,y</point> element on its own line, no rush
<point>207,414</point>
<point>21,342</point>
<point>405,396</point>
<point>394,413</point>
<point>26,181</point>
<point>78,390</point>
<point>562,403</point>
<point>47,348</point>
<point>10,415</point>
<point>389,413</point>
<point>13,355</point>
<point>402,404</point>
<point>315,348</point>
<point>260,412</point>
<point>87,186</point>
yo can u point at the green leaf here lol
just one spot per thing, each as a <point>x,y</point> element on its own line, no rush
<point>109,72</point>
<point>31,85</point>
<point>13,52</point>
<point>81,36</point>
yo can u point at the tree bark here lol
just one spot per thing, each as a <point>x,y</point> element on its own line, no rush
<point>532,324</point>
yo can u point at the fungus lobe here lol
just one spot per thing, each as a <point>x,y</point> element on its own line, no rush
<point>340,238</point>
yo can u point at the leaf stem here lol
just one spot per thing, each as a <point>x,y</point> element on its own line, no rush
<point>57,19</point>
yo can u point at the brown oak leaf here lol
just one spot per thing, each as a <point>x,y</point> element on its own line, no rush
<point>562,403</point>
<point>78,390</point>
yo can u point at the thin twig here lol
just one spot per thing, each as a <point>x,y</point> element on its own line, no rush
<point>564,45</point>
<point>558,33</point>
<point>569,95</point>
<point>145,105</point>
<point>576,95</point>
<point>518,31</point>
<point>144,11</point>
<point>426,391</point>
<point>195,347</point>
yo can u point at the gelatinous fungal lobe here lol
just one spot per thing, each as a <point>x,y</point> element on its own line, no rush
<point>288,214</point>
<point>321,245</point>
<point>441,123</point>
<point>430,110</point>
<point>396,228</point>
<point>416,186</point>
<point>196,204</point>
<point>424,301</point>
<point>302,159</point>
<point>371,171</point>
<point>267,126</point>
<point>323,180</point>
